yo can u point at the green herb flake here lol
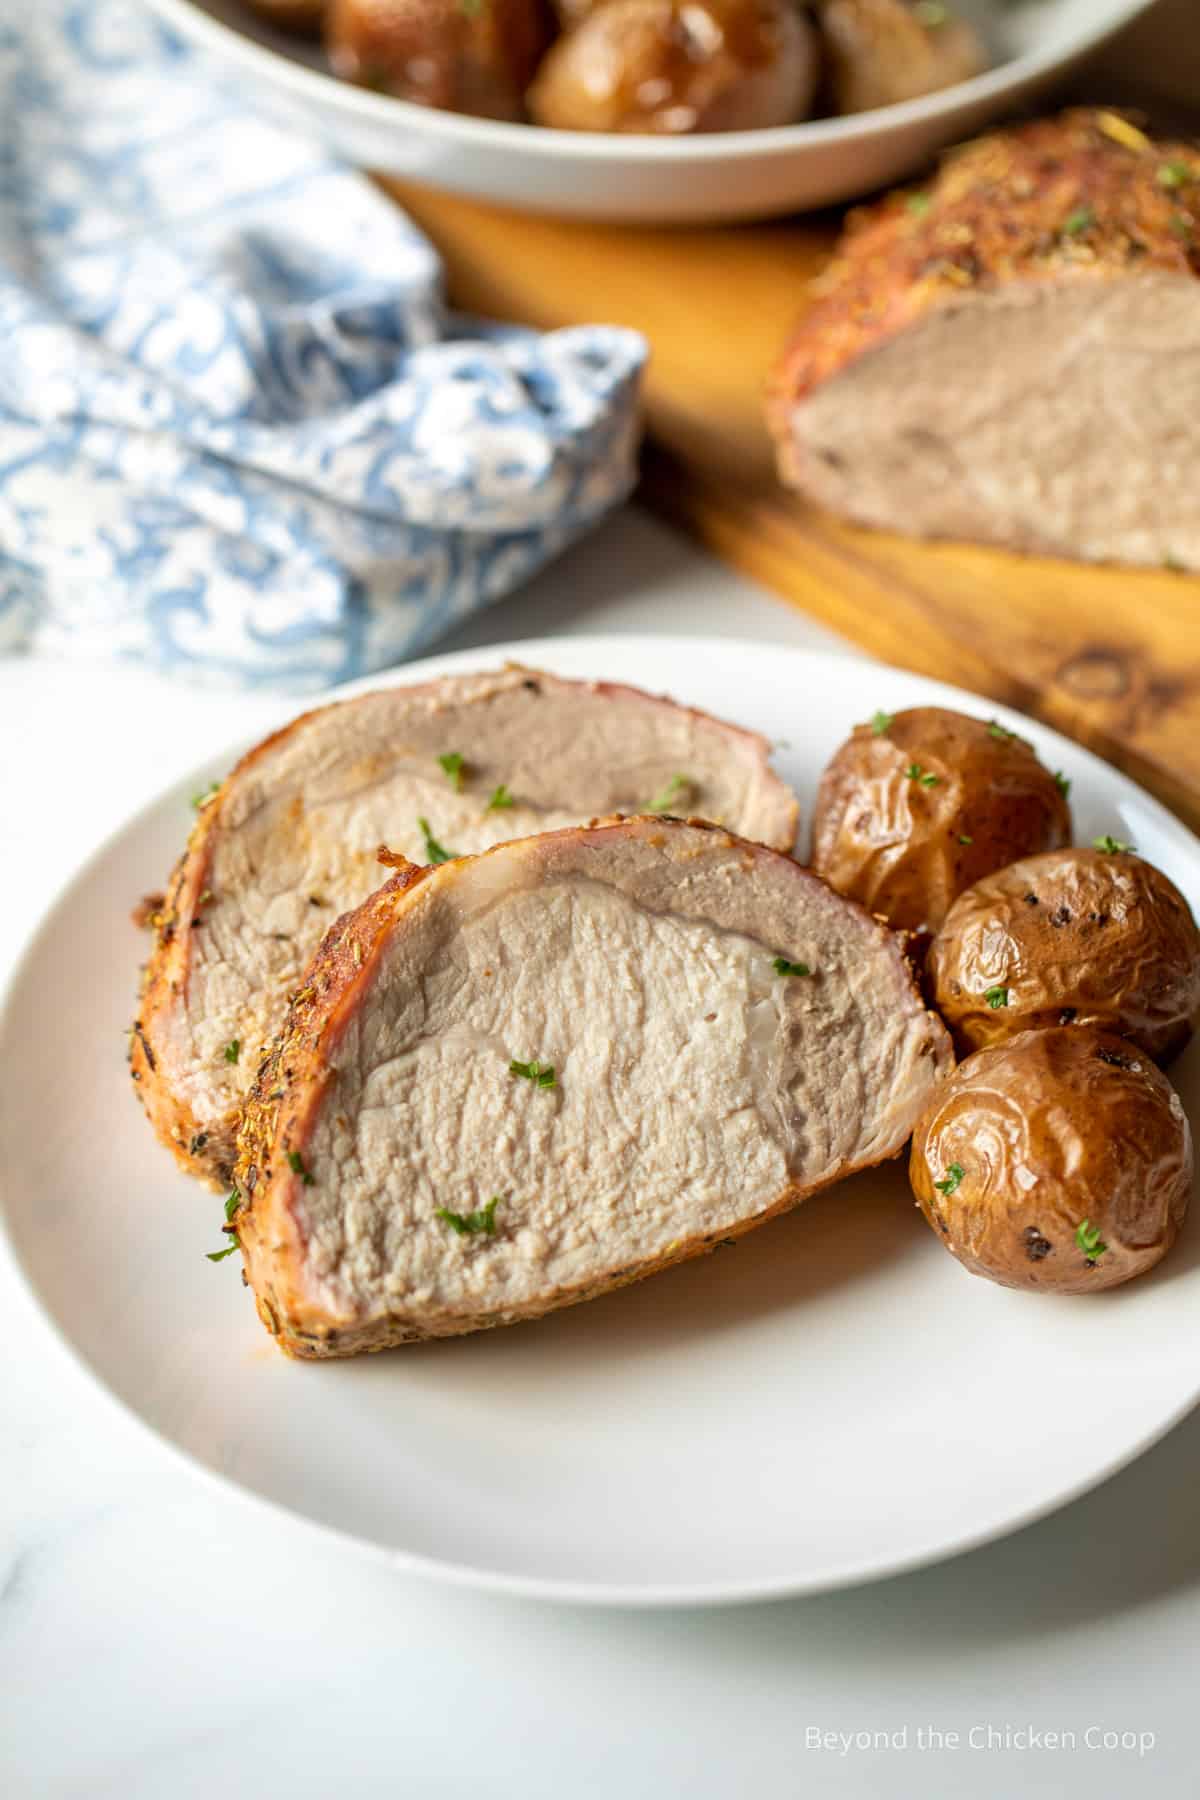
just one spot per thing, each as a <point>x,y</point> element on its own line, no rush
<point>1061,783</point>
<point>954,1175</point>
<point>882,722</point>
<point>472,8</point>
<point>963,839</point>
<point>233,1050</point>
<point>1000,732</point>
<point>676,789</point>
<point>1081,220</point>
<point>1111,846</point>
<point>200,801</point>
<point>915,772</point>
<point>1181,225</point>
<point>931,13</point>
<point>232,1203</point>
<point>541,1074</point>
<point>1090,1242</point>
<point>296,1165</point>
<point>918,204</point>
<point>455,767</point>
<point>473,1223</point>
<point>782,966</point>
<point>436,853</point>
<point>499,799</point>
<point>996,997</point>
<point>1175,175</point>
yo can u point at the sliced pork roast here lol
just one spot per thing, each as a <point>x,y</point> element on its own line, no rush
<point>1014,354</point>
<point>289,842</point>
<point>519,1080</point>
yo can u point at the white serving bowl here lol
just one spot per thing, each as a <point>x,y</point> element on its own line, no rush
<point>591,175</point>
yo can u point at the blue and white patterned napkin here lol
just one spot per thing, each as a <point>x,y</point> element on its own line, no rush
<point>240,437</point>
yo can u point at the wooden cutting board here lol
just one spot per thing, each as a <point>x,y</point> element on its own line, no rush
<point>1110,656</point>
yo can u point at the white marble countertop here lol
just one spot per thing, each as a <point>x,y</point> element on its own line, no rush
<point>161,1639</point>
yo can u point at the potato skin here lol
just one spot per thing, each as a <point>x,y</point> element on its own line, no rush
<point>673,66</point>
<point>471,58</point>
<point>1052,1131</point>
<point>878,52</point>
<point>905,848</point>
<point>1074,937</point>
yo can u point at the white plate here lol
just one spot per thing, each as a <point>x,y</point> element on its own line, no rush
<point>595,175</point>
<point>833,1399</point>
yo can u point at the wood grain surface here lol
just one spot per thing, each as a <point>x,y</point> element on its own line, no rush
<point>1111,656</point>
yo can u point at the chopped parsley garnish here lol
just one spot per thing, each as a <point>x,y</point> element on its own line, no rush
<point>1111,846</point>
<point>996,997</point>
<point>1061,783</point>
<point>1090,1242</point>
<point>1175,175</point>
<point>954,1175</point>
<point>454,765</point>
<point>1181,225</point>
<point>472,1223</point>
<point>882,722</point>
<point>931,13</point>
<point>233,1050</point>
<point>997,730</point>
<point>437,853</point>
<point>296,1165</point>
<point>918,204</point>
<point>499,799</point>
<point>541,1074</point>
<point>1081,220</point>
<point>233,1201</point>
<point>915,772</point>
<point>964,839</point>
<point>676,789</point>
<point>200,801</point>
<point>782,966</point>
<point>472,8</point>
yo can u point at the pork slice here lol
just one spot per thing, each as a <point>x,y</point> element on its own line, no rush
<point>1013,355</point>
<point>678,1084</point>
<point>290,842</point>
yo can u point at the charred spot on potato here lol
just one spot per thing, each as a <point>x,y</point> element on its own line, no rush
<point>1036,1246</point>
<point>1068,1015</point>
<point>1031,899</point>
<point>1114,1060</point>
<point>1061,916</point>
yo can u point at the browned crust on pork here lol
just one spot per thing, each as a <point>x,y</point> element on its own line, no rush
<point>286,1097</point>
<point>199,1150</point>
<point>1080,197</point>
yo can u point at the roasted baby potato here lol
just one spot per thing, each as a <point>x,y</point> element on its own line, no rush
<point>881,51</point>
<point>918,805</point>
<point>1074,937</point>
<point>1061,1160</point>
<point>291,15</point>
<point>673,66</point>
<point>470,56</point>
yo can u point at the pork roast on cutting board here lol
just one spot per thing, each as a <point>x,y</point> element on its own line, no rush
<point>290,839</point>
<point>1013,355</point>
<point>699,1083</point>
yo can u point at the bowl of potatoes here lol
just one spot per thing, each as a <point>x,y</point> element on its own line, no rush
<point>654,111</point>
